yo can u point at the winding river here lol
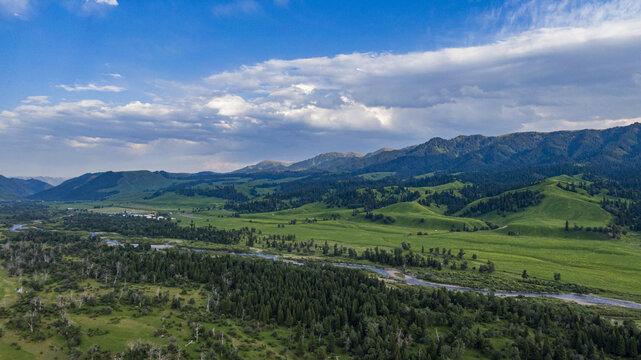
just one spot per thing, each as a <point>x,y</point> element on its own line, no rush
<point>391,273</point>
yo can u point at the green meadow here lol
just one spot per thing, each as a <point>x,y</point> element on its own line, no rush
<point>533,239</point>
<point>126,325</point>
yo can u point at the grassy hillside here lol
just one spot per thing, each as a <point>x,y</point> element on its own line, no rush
<point>414,215</point>
<point>102,185</point>
<point>548,218</point>
<point>123,326</point>
<point>17,188</point>
<point>583,258</point>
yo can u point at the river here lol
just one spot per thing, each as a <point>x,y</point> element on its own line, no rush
<point>390,273</point>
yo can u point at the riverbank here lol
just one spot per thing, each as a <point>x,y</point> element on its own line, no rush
<point>409,279</point>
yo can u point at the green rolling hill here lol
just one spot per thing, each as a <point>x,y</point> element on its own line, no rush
<point>99,186</point>
<point>548,218</point>
<point>12,188</point>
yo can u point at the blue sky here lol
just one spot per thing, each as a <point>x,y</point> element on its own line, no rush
<point>94,85</point>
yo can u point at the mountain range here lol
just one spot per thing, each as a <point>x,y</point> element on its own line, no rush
<point>53,181</point>
<point>614,146</point>
<point>14,188</point>
<point>476,152</point>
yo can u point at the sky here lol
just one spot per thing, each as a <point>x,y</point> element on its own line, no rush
<point>189,86</point>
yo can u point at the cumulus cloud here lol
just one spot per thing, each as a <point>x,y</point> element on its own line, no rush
<point>140,109</point>
<point>553,74</point>
<point>229,105</point>
<point>92,87</point>
<point>36,100</point>
<point>547,76</point>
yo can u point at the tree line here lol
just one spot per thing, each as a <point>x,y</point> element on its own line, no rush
<point>164,228</point>
<point>508,202</point>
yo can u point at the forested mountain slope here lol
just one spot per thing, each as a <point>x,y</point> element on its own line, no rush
<point>603,149</point>
<point>98,186</point>
<point>476,152</point>
<point>11,188</point>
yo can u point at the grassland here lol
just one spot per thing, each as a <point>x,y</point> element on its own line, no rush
<point>8,287</point>
<point>542,246</point>
<point>119,325</point>
<point>125,325</point>
<point>548,218</point>
<point>116,327</point>
<point>590,262</point>
<point>533,239</point>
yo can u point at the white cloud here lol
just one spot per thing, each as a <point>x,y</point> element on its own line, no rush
<point>115,75</point>
<point>229,105</point>
<point>543,74</point>
<point>137,148</point>
<point>36,100</point>
<point>535,14</point>
<point>154,146</point>
<point>96,119</point>
<point>578,125</point>
<point>108,2</point>
<point>348,115</point>
<point>23,8</point>
<point>545,77</point>
<point>138,108</point>
<point>7,119</point>
<point>84,142</point>
<point>92,87</point>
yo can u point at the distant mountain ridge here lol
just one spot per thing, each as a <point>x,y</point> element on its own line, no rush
<point>97,186</point>
<point>17,188</point>
<point>53,181</point>
<point>476,152</point>
<point>324,161</point>
<point>609,147</point>
<point>264,166</point>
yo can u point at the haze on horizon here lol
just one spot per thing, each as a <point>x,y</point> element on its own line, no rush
<point>95,85</point>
